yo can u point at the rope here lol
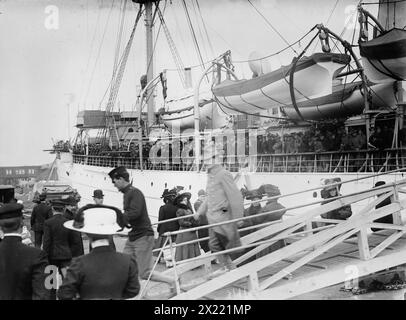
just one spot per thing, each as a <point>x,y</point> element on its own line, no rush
<point>194,35</point>
<point>273,28</point>
<point>279,52</point>
<point>98,53</point>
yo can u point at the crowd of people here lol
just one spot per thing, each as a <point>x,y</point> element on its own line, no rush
<point>104,273</point>
<point>316,138</point>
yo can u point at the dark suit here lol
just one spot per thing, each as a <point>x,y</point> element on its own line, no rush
<point>60,243</point>
<point>40,213</point>
<point>22,275</point>
<point>101,274</point>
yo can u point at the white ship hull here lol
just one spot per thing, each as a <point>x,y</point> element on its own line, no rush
<point>86,178</point>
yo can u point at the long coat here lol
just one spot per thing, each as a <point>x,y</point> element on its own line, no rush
<point>223,203</point>
<point>167,211</point>
<point>22,271</point>
<point>61,243</point>
<point>189,250</point>
<point>40,213</point>
<point>101,274</point>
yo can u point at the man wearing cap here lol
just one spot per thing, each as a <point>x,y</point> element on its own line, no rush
<point>202,233</point>
<point>40,213</point>
<point>60,244</point>
<point>141,240</point>
<point>22,268</point>
<point>223,203</point>
<point>103,273</point>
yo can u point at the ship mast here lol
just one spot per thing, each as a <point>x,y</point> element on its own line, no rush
<point>149,26</point>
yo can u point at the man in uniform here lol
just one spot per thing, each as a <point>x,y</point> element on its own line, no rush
<point>224,202</point>
<point>22,268</point>
<point>141,240</point>
<point>40,213</point>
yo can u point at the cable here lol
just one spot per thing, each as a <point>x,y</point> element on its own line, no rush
<point>273,28</point>
<point>194,36</point>
<point>278,52</point>
<point>98,53</point>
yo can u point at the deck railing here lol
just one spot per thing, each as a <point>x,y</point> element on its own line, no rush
<point>325,162</point>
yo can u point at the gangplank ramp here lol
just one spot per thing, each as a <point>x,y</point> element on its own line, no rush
<point>316,256</point>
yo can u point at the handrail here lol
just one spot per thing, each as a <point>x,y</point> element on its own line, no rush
<point>326,208</point>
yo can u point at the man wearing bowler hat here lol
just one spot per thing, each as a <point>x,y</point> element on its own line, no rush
<point>41,212</point>
<point>141,240</point>
<point>98,198</point>
<point>22,268</point>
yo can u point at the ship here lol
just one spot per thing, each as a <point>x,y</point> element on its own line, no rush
<point>313,92</point>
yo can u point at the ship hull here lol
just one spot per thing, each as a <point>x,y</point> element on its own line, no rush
<point>86,178</point>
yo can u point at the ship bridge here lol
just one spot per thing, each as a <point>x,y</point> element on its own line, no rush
<point>318,252</point>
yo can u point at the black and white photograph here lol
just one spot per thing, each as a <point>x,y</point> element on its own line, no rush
<point>218,151</point>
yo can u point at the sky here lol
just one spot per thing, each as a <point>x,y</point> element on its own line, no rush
<point>57,56</point>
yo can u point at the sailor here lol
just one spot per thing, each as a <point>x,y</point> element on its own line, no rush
<point>22,268</point>
<point>60,244</point>
<point>224,202</point>
<point>140,241</point>
<point>41,212</point>
<point>202,233</point>
<point>103,273</point>
<point>98,198</point>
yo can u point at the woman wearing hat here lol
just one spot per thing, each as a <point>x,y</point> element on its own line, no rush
<point>167,211</point>
<point>192,250</point>
<point>102,273</point>
<point>331,192</point>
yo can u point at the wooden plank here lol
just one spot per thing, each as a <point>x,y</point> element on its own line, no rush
<point>318,280</point>
<point>363,245</point>
<point>243,271</point>
<point>317,266</point>
<point>387,242</point>
<point>278,227</point>
<point>253,283</point>
<point>261,247</point>
<point>265,284</point>
<point>345,226</point>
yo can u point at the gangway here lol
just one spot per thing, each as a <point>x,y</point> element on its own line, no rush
<point>319,252</point>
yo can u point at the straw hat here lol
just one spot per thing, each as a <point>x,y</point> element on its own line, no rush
<point>103,220</point>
